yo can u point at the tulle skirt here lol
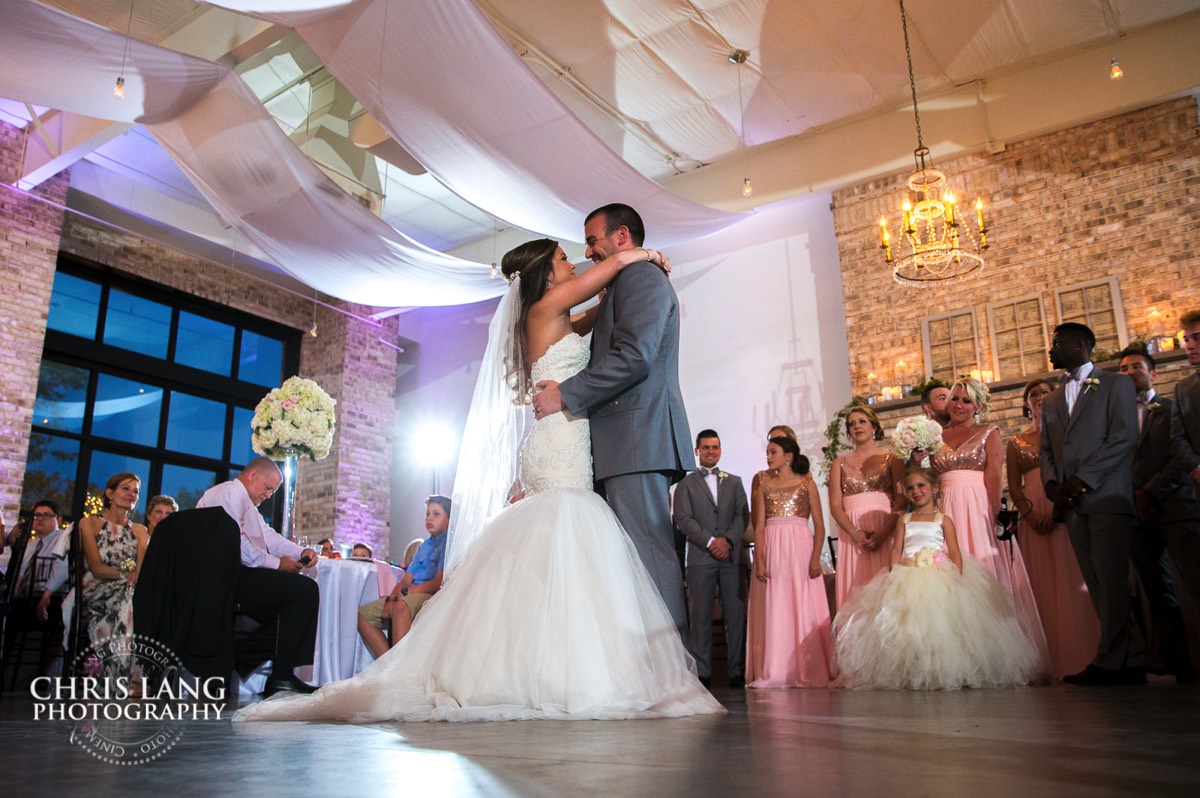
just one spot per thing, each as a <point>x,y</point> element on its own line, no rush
<point>930,628</point>
<point>550,615</point>
<point>964,500</point>
<point>792,641</point>
<point>1068,616</point>
<point>870,512</point>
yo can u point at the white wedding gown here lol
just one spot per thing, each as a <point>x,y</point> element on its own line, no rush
<point>551,613</point>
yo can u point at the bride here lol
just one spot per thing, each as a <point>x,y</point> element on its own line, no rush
<point>547,610</point>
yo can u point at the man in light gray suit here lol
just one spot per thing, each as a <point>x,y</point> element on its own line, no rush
<point>630,392</point>
<point>712,513</point>
<point>1089,430</point>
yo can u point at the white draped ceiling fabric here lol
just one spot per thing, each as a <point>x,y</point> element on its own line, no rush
<point>237,156</point>
<point>447,86</point>
<point>440,77</point>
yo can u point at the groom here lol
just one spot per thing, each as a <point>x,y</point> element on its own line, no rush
<point>641,443</point>
<point>1089,432</point>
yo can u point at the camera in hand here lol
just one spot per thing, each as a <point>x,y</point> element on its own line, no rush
<point>1006,521</point>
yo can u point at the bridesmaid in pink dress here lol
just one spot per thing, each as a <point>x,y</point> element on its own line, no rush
<point>864,503</point>
<point>1068,617</point>
<point>796,646</point>
<point>756,590</point>
<point>969,464</point>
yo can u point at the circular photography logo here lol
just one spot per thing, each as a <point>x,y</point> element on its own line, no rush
<point>128,697</point>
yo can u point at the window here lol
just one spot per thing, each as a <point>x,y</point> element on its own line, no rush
<point>1018,330</point>
<point>951,344</point>
<point>143,379</point>
<point>1098,305</point>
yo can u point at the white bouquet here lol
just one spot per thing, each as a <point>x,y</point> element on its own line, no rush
<point>916,433</point>
<point>295,418</point>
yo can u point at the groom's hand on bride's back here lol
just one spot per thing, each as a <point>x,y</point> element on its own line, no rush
<point>547,400</point>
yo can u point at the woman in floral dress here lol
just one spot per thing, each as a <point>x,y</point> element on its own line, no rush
<point>113,547</point>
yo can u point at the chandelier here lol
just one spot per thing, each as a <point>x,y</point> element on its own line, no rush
<point>937,244</point>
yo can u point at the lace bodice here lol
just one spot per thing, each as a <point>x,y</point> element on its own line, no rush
<point>875,476</point>
<point>558,451</point>
<point>790,502</point>
<point>971,455</point>
<point>920,535</point>
<point>1028,457</point>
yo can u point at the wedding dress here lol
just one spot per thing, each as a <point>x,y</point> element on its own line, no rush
<point>550,614</point>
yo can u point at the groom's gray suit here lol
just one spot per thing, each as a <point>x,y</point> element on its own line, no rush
<point>640,437</point>
<point>1095,443</point>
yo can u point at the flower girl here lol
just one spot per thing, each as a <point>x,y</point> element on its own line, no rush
<point>936,620</point>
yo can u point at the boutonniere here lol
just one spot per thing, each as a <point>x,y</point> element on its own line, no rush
<point>1091,383</point>
<point>1153,407</point>
<point>721,475</point>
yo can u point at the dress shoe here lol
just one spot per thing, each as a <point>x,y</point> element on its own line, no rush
<point>1092,676</point>
<point>286,684</point>
<point>737,682</point>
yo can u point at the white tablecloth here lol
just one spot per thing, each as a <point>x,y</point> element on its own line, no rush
<point>345,586</point>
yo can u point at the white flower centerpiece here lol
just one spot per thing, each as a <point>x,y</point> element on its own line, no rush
<point>297,418</point>
<point>916,433</point>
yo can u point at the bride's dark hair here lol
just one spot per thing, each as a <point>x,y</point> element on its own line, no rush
<point>534,262</point>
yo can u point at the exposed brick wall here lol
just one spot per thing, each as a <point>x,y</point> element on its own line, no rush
<point>29,241</point>
<point>1120,196</point>
<point>347,494</point>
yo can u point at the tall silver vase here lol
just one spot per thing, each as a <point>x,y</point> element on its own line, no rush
<point>289,466</point>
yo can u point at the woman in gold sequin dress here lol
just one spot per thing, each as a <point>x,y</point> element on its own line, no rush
<point>796,643</point>
<point>1068,617</point>
<point>969,465</point>
<point>864,503</point>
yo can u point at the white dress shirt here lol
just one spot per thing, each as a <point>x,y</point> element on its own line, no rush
<point>1075,384</point>
<point>52,574</point>
<point>261,546</point>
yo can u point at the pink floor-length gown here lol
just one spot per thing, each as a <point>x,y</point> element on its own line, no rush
<point>867,499</point>
<point>964,501</point>
<point>791,637</point>
<point>1068,616</point>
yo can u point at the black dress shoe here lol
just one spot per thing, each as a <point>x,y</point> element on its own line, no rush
<point>286,684</point>
<point>1093,676</point>
<point>737,683</point>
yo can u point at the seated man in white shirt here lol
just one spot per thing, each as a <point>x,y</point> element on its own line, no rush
<point>271,571</point>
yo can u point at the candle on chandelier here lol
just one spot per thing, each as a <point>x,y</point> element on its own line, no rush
<point>950,209</point>
<point>885,239</point>
<point>908,225</point>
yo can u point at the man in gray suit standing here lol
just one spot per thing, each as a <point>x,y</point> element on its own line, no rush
<point>630,392</point>
<point>1089,430</point>
<point>1167,525</point>
<point>711,511</point>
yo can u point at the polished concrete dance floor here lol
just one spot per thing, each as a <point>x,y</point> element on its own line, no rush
<point>1047,740</point>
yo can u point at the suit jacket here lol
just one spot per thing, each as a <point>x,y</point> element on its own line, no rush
<point>187,588</point>
<point>1094,443</point>
<point>630,389</point>
<point>1153,470</point>
<point>699,519</point>
<point>1185,424</point>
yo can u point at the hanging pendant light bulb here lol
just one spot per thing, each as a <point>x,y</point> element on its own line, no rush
<point>1114,69</point>
<point>739,57</point>
<point>119,87</point>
